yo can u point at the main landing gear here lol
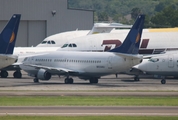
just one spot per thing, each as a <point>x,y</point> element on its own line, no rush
<point>68,80</point>
<point>93,80</point>
<point>36,80</point>
<point>163,81</point>
<point>4,74</point>
<point>16,74</point>
<point>136,78</point>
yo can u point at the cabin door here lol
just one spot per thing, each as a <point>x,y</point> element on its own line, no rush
<point>32,60</point>
<point>109,62</point>
<point>170,61</point>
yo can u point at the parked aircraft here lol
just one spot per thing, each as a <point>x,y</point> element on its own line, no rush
<point>161,65</point>
<point>57,40</point>
<point>49,44</point>
<point>21,52</point>
<point>154,41</point>
<point>7,42</point>
<point>87,65</point>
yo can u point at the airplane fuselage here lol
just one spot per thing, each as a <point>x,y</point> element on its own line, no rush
<point>7,60</point>
<point>153,41</point>
<point>32,50</point>
<point>84,64</point>
<point>163,65</point>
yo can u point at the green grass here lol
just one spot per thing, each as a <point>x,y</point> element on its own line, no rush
<point>86,101</point>
<point>88,117</point>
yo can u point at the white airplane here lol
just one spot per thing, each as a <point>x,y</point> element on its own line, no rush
<point>154,41</point>
<point>57,40</point>
<point>87,65</point>
<point>7,42</point>
<point>22,52</point>
<point>52,43</point>
<point>161,65</point>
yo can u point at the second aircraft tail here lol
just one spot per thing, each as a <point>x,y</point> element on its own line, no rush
<point>9,34</point>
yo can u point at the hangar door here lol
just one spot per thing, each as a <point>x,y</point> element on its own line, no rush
<point>31,33</point>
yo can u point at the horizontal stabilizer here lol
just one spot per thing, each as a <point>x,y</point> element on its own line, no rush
<point>3,56</point>
<point>130,56</point>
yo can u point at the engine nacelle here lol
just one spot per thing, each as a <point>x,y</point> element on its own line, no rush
<point>43,74</point>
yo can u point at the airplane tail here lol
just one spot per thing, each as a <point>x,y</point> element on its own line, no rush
<point>106,27</point>
<point>9,34</point>
<point>132,41</point>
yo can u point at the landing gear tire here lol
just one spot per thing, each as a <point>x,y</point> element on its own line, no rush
<point>136,78</point>
<point>35,80</point>
<point>163,81</point>
<point>17,74</point>
<point>68,81</point>
<point>4,74</point>
<point>93,80</point>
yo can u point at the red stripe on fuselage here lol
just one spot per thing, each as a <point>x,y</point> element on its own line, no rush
<point>144,43</point>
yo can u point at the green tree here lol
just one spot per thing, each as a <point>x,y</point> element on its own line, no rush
<point>102,16</point>
<point>135,12</point>
<point>165,18</point>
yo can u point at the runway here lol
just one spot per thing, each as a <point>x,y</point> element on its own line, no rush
<point>90,110</point>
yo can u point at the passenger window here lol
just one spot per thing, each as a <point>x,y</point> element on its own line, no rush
<point>70,45</point>
<point>74,45</point>
<point>49,42</point>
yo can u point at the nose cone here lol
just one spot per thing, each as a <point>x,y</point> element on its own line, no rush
<point>142,66</point>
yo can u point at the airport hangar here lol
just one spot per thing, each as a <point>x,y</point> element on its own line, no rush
<point>42,18</point>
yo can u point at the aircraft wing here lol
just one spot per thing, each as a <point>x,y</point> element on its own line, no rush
<point>130,55</point>
<point>53,69</point>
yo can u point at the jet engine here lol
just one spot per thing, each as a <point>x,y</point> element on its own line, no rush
<point>43,74</point>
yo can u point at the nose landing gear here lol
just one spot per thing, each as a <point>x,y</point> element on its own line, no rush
<point>136,78</point>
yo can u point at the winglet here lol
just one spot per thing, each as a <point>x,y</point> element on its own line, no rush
<point>9,34</point>
<point>132,41</point>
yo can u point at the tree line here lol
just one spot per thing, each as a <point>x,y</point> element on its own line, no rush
<point>159,13</point>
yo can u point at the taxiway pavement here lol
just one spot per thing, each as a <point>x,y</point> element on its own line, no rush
<point>124,85</point>
<point>91,110</point>
<point>107,83</point>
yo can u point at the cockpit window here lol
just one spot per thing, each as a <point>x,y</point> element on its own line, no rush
<point>74,45</point>
<point>53,42</point>
<point>49,42</point>
<point>154,59</point>
<point>25,59</point>
<point>70,45</point>
<point>43,42</point>
<point>65,45</point>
